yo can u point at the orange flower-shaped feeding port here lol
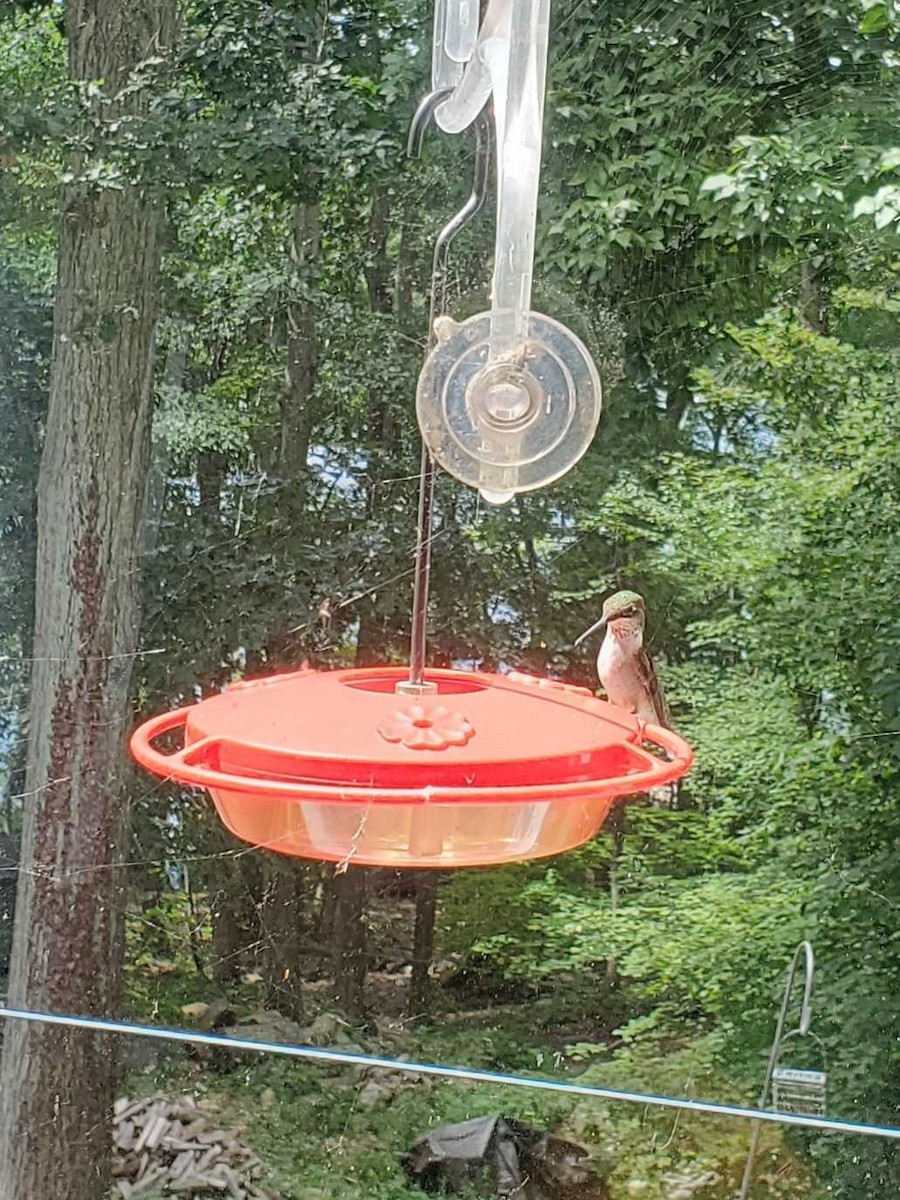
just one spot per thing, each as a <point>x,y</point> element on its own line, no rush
<point>421,728</point>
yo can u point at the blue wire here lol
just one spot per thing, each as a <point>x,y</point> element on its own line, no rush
<point>348,1058</point>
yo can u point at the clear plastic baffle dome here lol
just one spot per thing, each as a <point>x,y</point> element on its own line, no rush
<point>509,400</point>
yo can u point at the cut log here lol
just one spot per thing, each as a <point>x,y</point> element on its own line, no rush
<point>150,1182</point>
<point>173,1146</point>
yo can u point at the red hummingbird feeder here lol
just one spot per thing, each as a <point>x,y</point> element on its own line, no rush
<point>482,769</point>
<point>429,768</point>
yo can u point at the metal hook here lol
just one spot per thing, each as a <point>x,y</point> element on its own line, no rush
<point>468,212</point>
<point>422,118</point>
<point>416,684</point>
<point>482,129</point>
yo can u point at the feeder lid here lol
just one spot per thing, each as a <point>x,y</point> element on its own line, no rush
<point>358,716</point>
<point>476,733</point>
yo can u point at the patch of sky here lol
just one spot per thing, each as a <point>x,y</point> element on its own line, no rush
<point>502,613</point>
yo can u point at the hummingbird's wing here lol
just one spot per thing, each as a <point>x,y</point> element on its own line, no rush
<point>651,682</point>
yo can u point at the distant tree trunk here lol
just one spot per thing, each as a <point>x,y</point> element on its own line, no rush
<point>813,296</point>
<point>15,782</point>
<point>280,909</point>
<point>9,869</point>
<point>158,475</point>
<point>302,356</point>
<point>616,824</point>
<point>403,287</point>
<point>57,1085</point>
<point>371,641</point>
<point>232,907</point>
<point>423,942</point>
<point>281,914</point>
<point>326,909</point>
<point>350,934</point>
<point>226,936</point>
<point>194,928</point>
<point>212,465</point>
<point>378,273</point>
<point>677,403</point>
<point>375,623</point>
<point>23,396</point>
<point>211,471</point>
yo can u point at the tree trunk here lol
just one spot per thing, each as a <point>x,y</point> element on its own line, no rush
<point>616,824</point>
<point>372,638</point>
<point>24,347</point>
<point>378,271</point>
<point>232,906</point>
<point>350,938</point>
<point>375,623</point>
<point>212,465</point>
<point>211,471</point>
<point>423,942</point>
<point>57,1085</point>
<point>302,358</point>
<point>403,287</point>
<point>280,914</point>
<point>9,870</point>
<point>15,780</point>
<point>677,404</point>
<point>227,941</point>
<point>813,295</point>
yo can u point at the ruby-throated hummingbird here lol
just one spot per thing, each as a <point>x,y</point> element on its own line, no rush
<point>623,665</point>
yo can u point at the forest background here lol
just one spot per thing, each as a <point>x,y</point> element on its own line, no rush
<point>719,221</point>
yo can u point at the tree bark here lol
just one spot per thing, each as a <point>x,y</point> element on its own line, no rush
<point>232,907</point>
<point>9,869</point>
<point>403,287</point>
<point>350,936</point>
<point>813,296</point>
<point>57,1085</point>
<point>280,917</point>
<point>375,627</point>
<point>378,271</point>
<point>24,348</point>
<point>617,826</point>
<point>212,467</point>
<point>423,942</point>
<point>15,780</point>
<point>302,357</point>
<point>371,640</point>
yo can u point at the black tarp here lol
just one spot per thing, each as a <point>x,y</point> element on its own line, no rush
<point>499,1156</point>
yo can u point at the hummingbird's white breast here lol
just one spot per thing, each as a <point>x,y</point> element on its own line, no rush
<point>618,668</point>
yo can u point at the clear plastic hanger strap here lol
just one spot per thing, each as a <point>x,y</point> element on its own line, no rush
<point>455,38</point>
<point>509,64</point>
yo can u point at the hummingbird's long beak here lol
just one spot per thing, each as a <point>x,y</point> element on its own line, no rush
<point>601,624</point>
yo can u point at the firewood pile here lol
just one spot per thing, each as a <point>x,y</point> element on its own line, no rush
<point>171,1147</point>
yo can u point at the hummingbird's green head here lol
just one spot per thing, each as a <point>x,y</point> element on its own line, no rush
<point>624,607</point>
